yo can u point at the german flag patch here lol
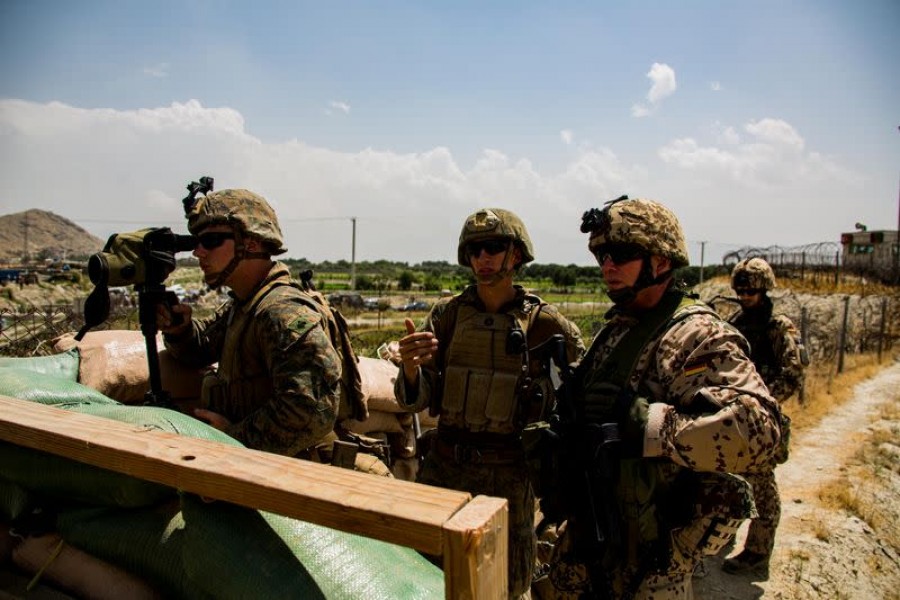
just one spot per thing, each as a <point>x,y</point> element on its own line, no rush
<point>695,368</point>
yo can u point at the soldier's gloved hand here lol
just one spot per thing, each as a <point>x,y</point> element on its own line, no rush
<point>632,428</point>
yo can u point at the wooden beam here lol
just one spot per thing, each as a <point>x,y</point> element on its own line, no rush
<point>475,550</point>
<point>392,510</point>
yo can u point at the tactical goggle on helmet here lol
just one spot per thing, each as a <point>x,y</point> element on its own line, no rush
<point>752,274</point>
<point>240,209</point>
<point>636,223</point>
<point>494,223</point>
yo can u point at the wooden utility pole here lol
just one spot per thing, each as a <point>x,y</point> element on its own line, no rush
<point>353,256</point>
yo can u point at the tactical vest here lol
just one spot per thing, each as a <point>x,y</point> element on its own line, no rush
<point>654,495</point>
<point>242,378</point>
<point>757,328</point>
<point>487,372</point>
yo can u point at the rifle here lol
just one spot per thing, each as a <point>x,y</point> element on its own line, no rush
<point>587,475</point>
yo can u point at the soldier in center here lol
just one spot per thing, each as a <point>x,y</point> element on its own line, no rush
<point>665,407</point>
<point>471,362</point>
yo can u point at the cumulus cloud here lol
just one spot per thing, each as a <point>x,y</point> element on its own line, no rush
<point>567,136</point>
<point>760,184</point>
<point>663,86</point>
<point>772,153</point>
<point>715,86</point>
<point>111,170</point>
<point>116,170</point>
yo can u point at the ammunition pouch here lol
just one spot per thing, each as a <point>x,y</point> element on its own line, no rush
<point>722,501</point>
<point>365,445</point>
<point>212,391</point>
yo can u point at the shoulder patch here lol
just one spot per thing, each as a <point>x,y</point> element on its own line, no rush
<point>303,322</point>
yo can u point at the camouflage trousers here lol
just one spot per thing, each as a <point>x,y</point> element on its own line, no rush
<point>568,578</point>
<point>506,480</point>
<point>761,535</point>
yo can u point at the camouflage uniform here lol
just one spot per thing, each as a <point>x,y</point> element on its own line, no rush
<point>708,415</point>
<point>775,350</point>
<point>478,447</point>
<point>278,372</point>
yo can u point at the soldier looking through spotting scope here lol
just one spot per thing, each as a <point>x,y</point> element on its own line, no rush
<point>277,384</point>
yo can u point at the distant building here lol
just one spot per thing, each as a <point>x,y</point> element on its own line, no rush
<point>869,251</point>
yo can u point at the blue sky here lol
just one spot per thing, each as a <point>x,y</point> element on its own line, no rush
<point>759,123</point>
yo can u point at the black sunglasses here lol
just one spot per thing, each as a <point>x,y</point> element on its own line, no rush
<point>213,239</point>
<point>747,291</point>
<point>619,254</point>
<point>492,247</point>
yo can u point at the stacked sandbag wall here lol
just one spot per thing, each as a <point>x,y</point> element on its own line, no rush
<point>103,534</point>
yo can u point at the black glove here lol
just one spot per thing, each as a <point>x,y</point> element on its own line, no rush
<point>632,428</point>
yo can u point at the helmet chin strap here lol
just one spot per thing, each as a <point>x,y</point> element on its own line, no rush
<point>240,253</point>
<point>625,296</point>
<point>504,270</point>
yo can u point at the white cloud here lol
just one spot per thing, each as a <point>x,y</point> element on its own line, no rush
<point>337,105</point>
<point>664,85</point>
<point>567,136</point>
<point>121,170</point>
<point>715,86</point>
<point>159,70</point>
<point>749,189</point>
<point>663,78</point>
<point>639,110</point>
<point>111,170</point>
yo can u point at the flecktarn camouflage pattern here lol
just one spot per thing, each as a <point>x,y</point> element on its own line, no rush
<point>646,223</point>
<point>753,273</point>
<point>697,367</point>
<point>241,209</point>
<point>490,223</point>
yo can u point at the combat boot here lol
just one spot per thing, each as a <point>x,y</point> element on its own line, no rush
<point>747,560</point>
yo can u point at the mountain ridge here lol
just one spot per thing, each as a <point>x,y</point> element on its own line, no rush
<point>48,234</point>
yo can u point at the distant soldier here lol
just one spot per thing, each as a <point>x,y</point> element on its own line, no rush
<point>667,405</point>
<point>472,363</point>
<point>277,384</point>
<point>776,350</point>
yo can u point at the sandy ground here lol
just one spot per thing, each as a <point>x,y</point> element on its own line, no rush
<point>823,552</point>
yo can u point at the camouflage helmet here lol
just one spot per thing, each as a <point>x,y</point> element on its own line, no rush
<point>644,223</point>
<point>492,223</point>
<point>242,209</point>
<point>752,273</point>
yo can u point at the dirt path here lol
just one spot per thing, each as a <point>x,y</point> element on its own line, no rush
<point>824,552</point>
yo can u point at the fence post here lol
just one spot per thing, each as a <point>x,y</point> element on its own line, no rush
<point>837,268</point>
<point>882,328</point>
<point>804,335</point>
<point>843,336</point>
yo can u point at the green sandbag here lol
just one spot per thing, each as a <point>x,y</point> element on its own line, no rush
<point>156,418</point>
<point>26,384</point>
<point>64,364</point>
<point>13,500</point>
<point>72,481</point>
<point>69,479</point>
<point>238,552</point>
<point>147,542</point>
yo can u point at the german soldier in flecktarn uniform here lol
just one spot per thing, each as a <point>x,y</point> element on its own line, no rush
<point>776,350</point>
<point>673,406</point>
<point>277,384</point>
<point>471,362</point>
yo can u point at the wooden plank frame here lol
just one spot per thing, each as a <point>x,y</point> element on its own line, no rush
<point>470,534</point>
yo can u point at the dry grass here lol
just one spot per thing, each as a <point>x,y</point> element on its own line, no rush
<point>825,389</point>
<point>867,486</point>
